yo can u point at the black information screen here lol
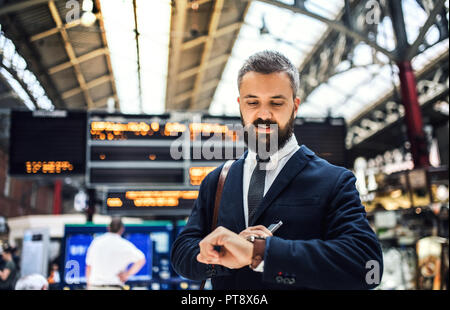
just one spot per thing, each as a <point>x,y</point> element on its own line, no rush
<point>325,137</point>
<point>151,201</point>
<point>44,143</point>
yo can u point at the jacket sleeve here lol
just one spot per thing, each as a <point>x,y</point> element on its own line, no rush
<point>185,248</point>
<point>348,257</point>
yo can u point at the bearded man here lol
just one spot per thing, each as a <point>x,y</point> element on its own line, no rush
<point>325,241</point>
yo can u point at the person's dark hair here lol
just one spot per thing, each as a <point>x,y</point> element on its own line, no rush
<point>115,225</point>
<point>267,62</point>
<point>7,248</point>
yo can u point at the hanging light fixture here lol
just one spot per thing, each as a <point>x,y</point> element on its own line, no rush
<point>88,18</point>
<point>264,30</point>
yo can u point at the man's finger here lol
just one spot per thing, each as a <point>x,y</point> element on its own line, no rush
<point>260,228</point>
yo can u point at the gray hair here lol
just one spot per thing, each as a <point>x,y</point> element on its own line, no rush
<point>267,62</point>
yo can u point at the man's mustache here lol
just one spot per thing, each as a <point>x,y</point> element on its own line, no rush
<point>264,122</point>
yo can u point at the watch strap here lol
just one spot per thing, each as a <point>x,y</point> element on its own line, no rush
<point>259,246</point>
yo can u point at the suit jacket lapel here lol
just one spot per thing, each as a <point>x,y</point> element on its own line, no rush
<point>232,205</point>
<point>294,165</point>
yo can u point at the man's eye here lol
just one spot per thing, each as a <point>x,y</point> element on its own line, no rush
<point>252,103</point>
<point>277,103</point>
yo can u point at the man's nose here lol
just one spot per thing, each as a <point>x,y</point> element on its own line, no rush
<point>264,114</point>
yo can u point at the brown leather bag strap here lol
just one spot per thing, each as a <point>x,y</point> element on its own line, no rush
<point>220,184</point>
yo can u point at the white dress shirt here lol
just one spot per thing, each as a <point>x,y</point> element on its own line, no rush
<point>273,168</point>
<point>108,255</point>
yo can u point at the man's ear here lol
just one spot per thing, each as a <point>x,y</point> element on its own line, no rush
<point>296,104</point>
<point>239,100</point>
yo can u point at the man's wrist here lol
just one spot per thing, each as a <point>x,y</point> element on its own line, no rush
<point>259,246</point>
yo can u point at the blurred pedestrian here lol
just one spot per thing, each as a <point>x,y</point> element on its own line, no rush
<point>34,282</point>
<point>54,278</point>
<point>108,257</point>
<point>9,274</point>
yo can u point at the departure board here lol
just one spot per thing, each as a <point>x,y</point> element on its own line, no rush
<point>154,165</point>
<point>157,202</point>
<point>158,151</point>
<point>47,143</point>
<point>324,136</point>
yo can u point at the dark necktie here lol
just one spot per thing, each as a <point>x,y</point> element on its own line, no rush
<point>256,187</point>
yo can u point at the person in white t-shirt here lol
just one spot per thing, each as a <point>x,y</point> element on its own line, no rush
<point>108,256</point>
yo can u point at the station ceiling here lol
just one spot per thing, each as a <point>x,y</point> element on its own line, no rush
<point>151,57</point>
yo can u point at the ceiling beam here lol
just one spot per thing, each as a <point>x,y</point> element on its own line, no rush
<point>212,29</point>
<point>89,85</point>
<point>244,14</point>
<point>70,53</point>
<point>80,59</point>
<point>318,44</point>
<point>200,2</point>
<point>13,8</point>
<point>202,39</point>
<point>100,103</point>
<point>33,58</point>
<point>193,71</point>
<point>188,94</point>
<point>412,50</point>
<point>176,40</point>
<point>22,84</point>
<point>336,25</point>
<point>390,93</point>
<point>9,95</point>
<point>55,30</point>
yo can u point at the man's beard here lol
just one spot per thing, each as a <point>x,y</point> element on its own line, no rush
<point>260,143</point>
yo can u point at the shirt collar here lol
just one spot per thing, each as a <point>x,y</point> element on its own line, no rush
<point>290,146</point>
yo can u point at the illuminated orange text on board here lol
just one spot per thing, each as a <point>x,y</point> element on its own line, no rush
<point>207,128</point>
<point>198,128</point>
<point>159,198</point>
<point>155,126</point>
<point>48,166</point>
<point>114,202</point>
<point>197,174</point>
<point>115,131</point>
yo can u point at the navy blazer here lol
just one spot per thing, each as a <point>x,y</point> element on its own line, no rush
<point>325,241</point>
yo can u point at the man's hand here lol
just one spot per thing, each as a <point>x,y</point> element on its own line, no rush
<point>123,276</point>
<point>236,251</point>
<point>259,230</point>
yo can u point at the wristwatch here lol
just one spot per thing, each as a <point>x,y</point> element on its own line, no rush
<point>259,246</point>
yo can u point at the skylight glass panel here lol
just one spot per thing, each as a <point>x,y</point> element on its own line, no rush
<point>154,27</point>
<point>15,85</point>
<point>386,37</point>
<point>290,33</point>
<point>118,18</point>
<point>427,56</point>
<point>325,8</point>
<point>415,17</point>
<point>19,77</point>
